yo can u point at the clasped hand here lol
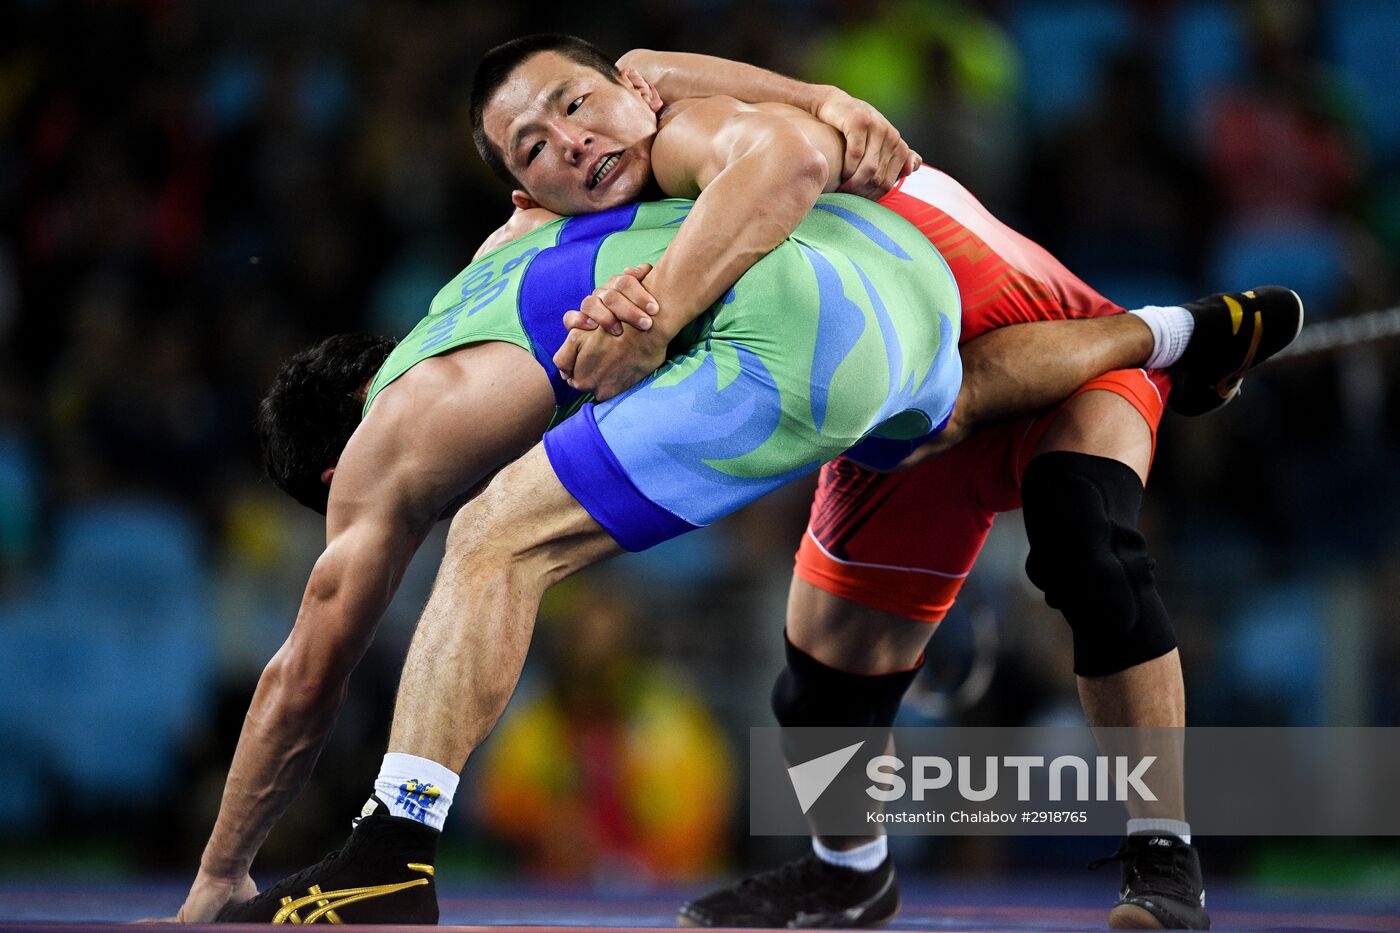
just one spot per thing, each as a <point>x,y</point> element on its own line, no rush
<point>614,341</point>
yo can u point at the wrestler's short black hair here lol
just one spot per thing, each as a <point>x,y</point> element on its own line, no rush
<point>498,64</point>
<point>311,410</point>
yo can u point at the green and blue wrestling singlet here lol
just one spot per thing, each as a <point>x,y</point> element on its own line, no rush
<point>847,331</point>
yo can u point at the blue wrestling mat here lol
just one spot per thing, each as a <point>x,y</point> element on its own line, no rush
<point>1011,905</point>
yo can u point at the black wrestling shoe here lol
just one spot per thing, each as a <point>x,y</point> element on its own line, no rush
<point>806,893</point>
<point>1162,887</point>
<point>383,874</point>
<point>1233,333</point>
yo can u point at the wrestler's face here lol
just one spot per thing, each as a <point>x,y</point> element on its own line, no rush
<point>577,140</point>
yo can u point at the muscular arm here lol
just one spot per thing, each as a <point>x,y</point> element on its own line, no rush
<point>301,689</point>
<point>874,149</point>
<point>373,529</point>
<point>755,172</point>
<point>864,145</point>
<point>426,445</point>
<point>680,75</point>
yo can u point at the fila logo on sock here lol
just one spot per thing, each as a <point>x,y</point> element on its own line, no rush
<point>811,778</point>
<point>417,798</point>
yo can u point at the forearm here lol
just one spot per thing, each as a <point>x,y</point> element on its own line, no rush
<point>678,75</point>
<point>282,737</point>
<point>750,207</point>
<point>301,690</point>
<point>874,156</point>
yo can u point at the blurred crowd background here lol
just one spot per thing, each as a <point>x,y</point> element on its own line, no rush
<point>191,191</point>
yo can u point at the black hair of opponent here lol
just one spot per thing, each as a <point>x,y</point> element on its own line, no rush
<point>498,64</point>
<point>313,407</point>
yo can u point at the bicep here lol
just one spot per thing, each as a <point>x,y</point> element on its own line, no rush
<point>695,145</point>
<point>712,134</point>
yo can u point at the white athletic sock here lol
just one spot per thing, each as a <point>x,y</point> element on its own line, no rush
<point>1178,828</point>
<point>1171,330</point>
<point>415,788</point>
<point>862,858</point>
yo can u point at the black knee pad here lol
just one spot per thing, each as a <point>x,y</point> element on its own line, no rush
<point>808,693</point>
<point>1091,562</point>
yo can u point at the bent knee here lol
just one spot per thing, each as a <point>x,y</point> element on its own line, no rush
<point>1091,562</point>
<point>484,529</point>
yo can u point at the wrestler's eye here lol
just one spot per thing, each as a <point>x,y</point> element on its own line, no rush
<point>577,103</point>
<point>535,150</point>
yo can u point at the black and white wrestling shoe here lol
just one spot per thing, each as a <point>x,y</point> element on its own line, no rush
<point>1162,887</point>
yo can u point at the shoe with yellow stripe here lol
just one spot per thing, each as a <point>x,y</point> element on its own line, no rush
<point>1233,332</point>
<point>383,874</point>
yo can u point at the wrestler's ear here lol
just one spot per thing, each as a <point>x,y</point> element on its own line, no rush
<point>633,79</point>
<point>522,201</point>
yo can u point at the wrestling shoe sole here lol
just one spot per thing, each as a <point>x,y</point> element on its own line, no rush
<point>682,920</point>
<point>845,918</point>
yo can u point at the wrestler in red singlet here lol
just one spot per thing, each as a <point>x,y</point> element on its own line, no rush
<point>905,542</point>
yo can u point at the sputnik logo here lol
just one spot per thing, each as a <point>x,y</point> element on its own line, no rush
<point>811,778</point>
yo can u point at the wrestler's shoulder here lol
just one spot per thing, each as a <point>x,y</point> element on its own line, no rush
<point>680,113</point>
